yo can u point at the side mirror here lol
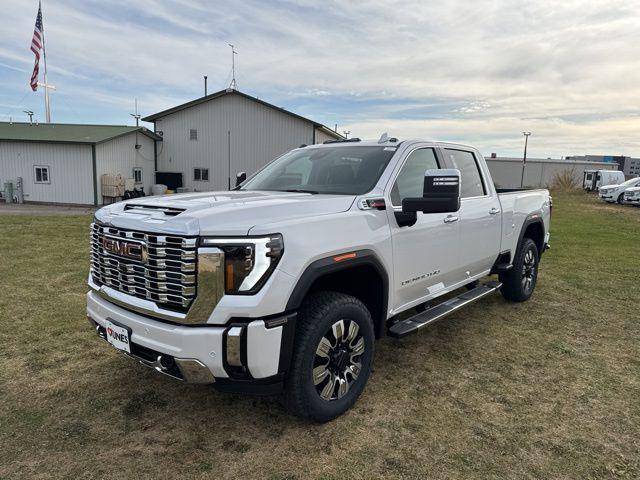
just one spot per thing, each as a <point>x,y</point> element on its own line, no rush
<point>441,193</point>
<point>240,177</point>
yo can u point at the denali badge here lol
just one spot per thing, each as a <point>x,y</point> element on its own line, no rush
<point>123,248</point>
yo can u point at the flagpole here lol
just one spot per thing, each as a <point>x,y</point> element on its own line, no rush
<point>46,84</point>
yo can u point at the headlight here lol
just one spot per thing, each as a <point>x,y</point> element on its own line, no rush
<point>248,261</point>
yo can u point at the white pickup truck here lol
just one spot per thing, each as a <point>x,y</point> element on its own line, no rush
<point>283,284</point>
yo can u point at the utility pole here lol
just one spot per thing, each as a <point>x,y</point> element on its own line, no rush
<point>136,115</point>
<point>346,133</point>
<point>233,84</point>
<point>30,113</point>
<point>524,158</point>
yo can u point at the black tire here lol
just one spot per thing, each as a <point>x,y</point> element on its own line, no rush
<point>621,198</point>
<point>519,282</point>
<point>314,333</point>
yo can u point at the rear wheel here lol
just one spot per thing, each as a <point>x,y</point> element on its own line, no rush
<point>332,356</point>
<point>519,282</point>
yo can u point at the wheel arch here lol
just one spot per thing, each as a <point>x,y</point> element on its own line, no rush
<point>359,273</point>
<point>533,228</point>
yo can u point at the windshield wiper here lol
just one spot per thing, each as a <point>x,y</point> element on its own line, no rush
<point>299,190</point>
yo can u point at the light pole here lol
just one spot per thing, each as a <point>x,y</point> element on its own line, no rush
<point>524,158</point>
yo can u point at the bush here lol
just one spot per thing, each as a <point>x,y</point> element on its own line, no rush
<point>565,180</point>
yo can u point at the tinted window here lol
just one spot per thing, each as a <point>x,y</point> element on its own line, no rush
<point>470,179</point>
<point>410,180</point>
<point>351,170</point>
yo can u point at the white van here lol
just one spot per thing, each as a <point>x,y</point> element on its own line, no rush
<point>589,180</point>
<point>608,177</point>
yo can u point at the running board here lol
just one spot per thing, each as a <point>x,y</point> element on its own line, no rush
<point>431,315</point>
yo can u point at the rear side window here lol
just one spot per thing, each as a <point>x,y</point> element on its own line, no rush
<point>410,180</point>
<point>471,184</point>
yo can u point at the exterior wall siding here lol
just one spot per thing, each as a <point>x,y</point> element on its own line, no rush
<point>506,172</point>
<point>70,171</point>
<point>322,137</point>
<point>231,130</point>
<point>120,156</point>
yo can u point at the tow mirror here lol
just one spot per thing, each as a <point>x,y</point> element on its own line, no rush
<point>240,177</point>
<point>441,193</point>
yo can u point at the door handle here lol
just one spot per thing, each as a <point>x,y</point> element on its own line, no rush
<point>450,219</point>
<point>494,211</point>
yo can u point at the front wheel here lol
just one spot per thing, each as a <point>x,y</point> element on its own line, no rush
<point>621,198</point>
<point>332,356</point>
<point>519,282</point>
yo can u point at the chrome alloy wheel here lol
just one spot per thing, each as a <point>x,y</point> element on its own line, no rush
<point>336,365</point>
<point>528,271</point>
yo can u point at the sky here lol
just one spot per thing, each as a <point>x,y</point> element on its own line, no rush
<point>478,72</point>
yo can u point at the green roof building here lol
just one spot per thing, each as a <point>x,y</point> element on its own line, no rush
<point>63,163</point>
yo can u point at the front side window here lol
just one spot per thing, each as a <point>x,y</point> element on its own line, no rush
<point>410,180</point>
<point>345,170</point>
<point>471,184</point>
<point>41,174</point>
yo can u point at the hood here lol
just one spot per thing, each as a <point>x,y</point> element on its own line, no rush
<point>607,187</point>
<point>633,189</point>
<point>218,213</point>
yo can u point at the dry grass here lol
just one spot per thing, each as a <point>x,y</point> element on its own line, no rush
<point>546,389</point>
<point>565,180</point>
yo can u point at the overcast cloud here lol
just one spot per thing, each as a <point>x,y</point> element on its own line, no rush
<point>479,72</point>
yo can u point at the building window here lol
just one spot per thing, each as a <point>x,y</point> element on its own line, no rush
<point>201,174</point>
<point>193,134</point>
<point>41,174</point>
<point>137,174</point>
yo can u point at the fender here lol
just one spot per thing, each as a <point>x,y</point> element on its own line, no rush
<point>531,219</point>
<point>336,263</point>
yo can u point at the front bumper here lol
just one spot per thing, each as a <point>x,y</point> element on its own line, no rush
<point>606,197</point>
<point>632,201</point>
<point>243,352</point>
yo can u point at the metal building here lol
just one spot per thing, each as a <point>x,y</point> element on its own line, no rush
<point>538,172</point>
<point>212,138</point>
<point>63,163</point>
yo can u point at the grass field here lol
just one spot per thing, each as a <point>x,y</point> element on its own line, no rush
<point>545,389</point>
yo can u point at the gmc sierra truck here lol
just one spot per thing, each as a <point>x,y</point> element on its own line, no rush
<point>282,285</point>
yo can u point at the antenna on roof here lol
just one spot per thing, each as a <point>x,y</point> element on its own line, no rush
<point>136,115</point>
<point>233,85</point>
<point>30,113</point>
<point>384,138</point>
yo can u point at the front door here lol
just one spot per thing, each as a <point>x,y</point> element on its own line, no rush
<point>425,254</point>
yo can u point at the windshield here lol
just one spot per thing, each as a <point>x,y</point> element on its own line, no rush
<point>346,170</point>
<point>633,181</point>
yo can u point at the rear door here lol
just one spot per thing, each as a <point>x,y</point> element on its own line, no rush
<point>424,254</point>
<point>480,213</point>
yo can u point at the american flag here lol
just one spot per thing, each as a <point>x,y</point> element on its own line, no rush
<point>36,45</point>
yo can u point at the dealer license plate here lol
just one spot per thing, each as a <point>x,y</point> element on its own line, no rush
<point>118,336</point>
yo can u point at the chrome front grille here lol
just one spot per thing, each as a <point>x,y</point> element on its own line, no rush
<point>165,274</point>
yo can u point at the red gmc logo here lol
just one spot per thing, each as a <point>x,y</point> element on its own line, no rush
<point>123,248</point>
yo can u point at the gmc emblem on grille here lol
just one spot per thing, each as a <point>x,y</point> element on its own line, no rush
<point>122,248</point>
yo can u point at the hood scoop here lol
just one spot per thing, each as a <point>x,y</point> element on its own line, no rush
<point>168,211</point>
